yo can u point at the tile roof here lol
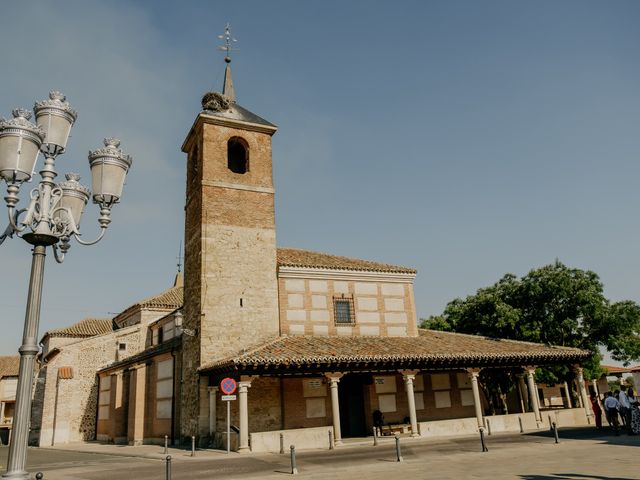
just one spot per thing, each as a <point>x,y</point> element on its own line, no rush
<point>171,298</point>
<point>87,327</point>
<point>9,365</point>
<point>613,369</point>
<point>237,112</point>
<point>293,257</point>
<point>430,349</point>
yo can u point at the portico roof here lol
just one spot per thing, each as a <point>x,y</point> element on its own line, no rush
<point>429,350</point>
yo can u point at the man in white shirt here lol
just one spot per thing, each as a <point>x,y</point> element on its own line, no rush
<point>625,408</point>
<point>611,406</point>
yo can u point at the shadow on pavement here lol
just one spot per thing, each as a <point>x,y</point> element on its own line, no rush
<point>570,476</point>
<point>605,435</point>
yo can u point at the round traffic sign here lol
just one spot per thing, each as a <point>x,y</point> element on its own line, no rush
<point>228,386</point>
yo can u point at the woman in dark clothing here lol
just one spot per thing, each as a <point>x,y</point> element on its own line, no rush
<point>597,412</point>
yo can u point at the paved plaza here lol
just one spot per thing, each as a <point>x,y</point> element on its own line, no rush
<point>582,454</point>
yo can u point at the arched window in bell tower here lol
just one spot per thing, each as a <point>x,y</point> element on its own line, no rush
<point>237,155</point>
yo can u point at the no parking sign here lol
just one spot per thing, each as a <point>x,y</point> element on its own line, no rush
<point>228,386</point>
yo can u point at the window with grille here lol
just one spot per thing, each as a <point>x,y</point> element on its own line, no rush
<point>343,310</point>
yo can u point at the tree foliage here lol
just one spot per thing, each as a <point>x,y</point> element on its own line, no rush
<point>554,305</point>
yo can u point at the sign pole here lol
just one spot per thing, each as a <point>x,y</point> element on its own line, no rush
<point>228,427</point>
<point>228,387</point>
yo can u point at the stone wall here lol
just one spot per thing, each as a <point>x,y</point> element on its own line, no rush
<point>64,410</point>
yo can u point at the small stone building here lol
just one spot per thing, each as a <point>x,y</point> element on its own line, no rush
<point>322,346</point>
<point>9,366</point>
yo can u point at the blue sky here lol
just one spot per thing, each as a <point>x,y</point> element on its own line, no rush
<point>467,139</point>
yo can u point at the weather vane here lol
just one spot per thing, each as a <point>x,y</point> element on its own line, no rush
<point>228,43</point>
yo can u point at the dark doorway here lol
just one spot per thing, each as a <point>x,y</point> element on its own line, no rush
<point>351,400</point>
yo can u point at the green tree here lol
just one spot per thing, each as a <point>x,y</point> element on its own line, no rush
<point>555,305</point>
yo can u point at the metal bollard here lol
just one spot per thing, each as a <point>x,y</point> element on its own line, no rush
<point>168,468</point>
<point>555,431</point>
<point>193,446</point>
<point>375,437</point>
<point>166,444</point>
<point>488,426</point>
<point>331,444</point>
<point>294,466</point>
<point>281,443</point>
<point>39,476</point>
<point>398,454</point>
<point>484,446</point>
<point>520,422</point>
<point>550,423</point>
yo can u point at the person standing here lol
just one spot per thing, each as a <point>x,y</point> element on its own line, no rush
<point>635,412</point>
<point>611,406</point>
<point>625,408</point>
<point>597,412</point>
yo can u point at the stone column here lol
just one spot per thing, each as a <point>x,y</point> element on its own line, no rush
<point>137,400</point>
<point>409,376</point>
<point>567,392</point>
<point>522,389</point>
<point>577,384</point>
<point>594,384</point>
<point>243,410</point>
<point>2,420</point>
<point>473,375</point>
<point>582,390</point>
<point>533,392</point>
<point>212,410</point>
<point>334,379</point>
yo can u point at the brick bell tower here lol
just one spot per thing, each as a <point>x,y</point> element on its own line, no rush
<point>230,295</point>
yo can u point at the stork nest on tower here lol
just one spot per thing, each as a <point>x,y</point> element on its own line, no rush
<point>216,101</point>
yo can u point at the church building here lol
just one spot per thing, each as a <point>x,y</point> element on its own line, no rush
<point>322,347</point>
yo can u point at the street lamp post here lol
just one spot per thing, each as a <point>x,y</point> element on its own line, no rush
<point>52,218</point>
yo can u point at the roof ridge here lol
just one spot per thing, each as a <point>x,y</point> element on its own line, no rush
<point>315,259</point>
<point>151,297</point>
<point>510,340</point>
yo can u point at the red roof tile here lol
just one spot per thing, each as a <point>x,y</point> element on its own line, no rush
<point>293,257</point>
<point>430,348</point>
<point>9,365</point>
<point>87,327</point>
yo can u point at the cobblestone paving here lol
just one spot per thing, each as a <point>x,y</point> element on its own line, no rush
<point>582,454</point>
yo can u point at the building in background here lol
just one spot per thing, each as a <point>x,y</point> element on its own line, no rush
<point>9,366</point>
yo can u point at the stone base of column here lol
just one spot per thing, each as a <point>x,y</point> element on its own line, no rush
<point>415,435</point>
<point>243,449</point>
<point>337,443</point>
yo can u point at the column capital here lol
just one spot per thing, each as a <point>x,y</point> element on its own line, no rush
<point>530,369</point>
<point>138,367</point>
<point>212,389</point>
<point>408,374</point>
<point>474,372</point>
<point>334,377</point>
<point>578,369</point>
<point>245,380</point>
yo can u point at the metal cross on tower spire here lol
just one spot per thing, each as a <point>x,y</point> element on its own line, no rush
<point>229,40</point>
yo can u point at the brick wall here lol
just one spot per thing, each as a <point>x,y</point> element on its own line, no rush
<point>381,308</point>
<point>230,257</point>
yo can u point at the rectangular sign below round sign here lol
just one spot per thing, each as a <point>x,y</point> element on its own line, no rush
<point>228,398</point>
